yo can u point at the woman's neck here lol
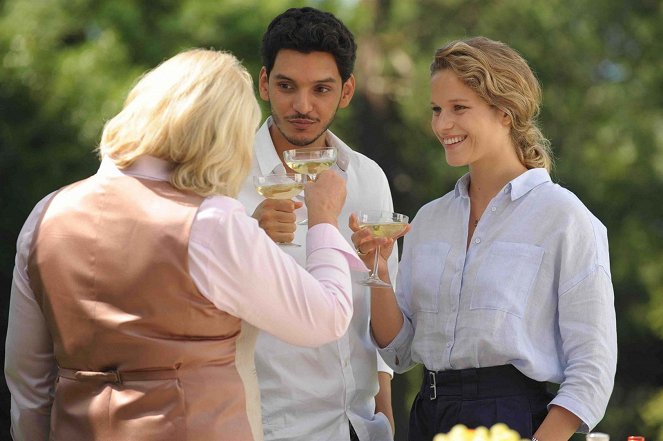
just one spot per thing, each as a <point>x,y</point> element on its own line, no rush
<point>486,182</point>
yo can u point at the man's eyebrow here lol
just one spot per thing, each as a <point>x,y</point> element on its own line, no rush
<point>287,78</point>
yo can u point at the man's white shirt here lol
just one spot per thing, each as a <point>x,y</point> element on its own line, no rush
<point>311,394</point>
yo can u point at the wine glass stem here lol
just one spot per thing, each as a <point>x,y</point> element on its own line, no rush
<point>375,262</point>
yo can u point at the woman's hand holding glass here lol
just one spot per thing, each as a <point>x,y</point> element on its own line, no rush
<point>375,233</point>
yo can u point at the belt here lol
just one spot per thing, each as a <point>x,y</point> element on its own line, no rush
<point>478,383</point>
<point>118,377</point>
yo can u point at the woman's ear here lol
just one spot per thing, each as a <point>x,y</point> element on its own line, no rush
<point>505,118</point>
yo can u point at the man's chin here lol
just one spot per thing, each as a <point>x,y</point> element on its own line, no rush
<point>300,142</point>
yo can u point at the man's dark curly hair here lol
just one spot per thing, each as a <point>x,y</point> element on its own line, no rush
<point>310,30</point>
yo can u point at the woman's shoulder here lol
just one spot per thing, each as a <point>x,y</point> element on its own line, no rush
<point>221,204</point>
<point>563,207</point>
<point>218,210</point>
<point>562,200</point>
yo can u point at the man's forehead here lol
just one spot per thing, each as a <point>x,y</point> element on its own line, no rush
<point>305,66</point>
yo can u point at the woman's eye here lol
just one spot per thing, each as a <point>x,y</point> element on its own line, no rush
<point>458,107</point>
<point>436,110</point>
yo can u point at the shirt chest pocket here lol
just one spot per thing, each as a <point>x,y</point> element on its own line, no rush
<point>506,277</point>
<point>428,262</point>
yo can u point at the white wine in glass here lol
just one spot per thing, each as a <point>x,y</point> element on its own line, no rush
<point>285,186</point>
<point>381,224</point>
<point>310,161</point>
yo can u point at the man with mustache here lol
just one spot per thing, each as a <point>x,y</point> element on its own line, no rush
<point>341,390</point>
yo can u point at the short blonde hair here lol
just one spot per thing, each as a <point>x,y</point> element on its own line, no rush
<point>196,110</point>
<point>501,77</point>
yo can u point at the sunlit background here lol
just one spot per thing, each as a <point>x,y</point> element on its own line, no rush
<point>66,66</point>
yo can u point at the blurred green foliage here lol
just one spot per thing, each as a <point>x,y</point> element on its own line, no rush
<point>66,67</point>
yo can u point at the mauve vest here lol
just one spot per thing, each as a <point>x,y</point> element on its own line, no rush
<point>142,354</point>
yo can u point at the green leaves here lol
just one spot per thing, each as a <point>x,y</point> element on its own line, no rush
<point>67,66</point>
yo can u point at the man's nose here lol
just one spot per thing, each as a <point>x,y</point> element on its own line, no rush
<point>303,103</point>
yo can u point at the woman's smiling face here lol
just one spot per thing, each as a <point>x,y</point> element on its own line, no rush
<point>470,130</point>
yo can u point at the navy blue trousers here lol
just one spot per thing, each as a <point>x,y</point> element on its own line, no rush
<point>478,397</point>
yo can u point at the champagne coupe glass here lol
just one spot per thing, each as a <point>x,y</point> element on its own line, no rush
<point>310,161</point>
<point>284,186</point>
<point>380,224</point>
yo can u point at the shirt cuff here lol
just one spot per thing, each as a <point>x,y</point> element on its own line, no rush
<point>327,236</point>
<point>383,366</point>
<point>396,353</point>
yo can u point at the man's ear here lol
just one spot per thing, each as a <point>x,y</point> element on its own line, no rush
<point>347,92</point>
<point>263,84</point>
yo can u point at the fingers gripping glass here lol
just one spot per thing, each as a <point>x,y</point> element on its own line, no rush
<point>380,224</point>
<point>310,161</point>
<point>280,187</point>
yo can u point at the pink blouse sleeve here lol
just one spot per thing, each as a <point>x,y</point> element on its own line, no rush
<point>30,367</point>
<point>243,272</point>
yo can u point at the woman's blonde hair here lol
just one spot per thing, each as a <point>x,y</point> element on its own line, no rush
<point>196,110</point>
<point>500,76</point>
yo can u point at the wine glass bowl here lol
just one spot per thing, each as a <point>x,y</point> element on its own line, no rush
<point>381,224</point>
<point>285,186</point>
<point>310,160</point>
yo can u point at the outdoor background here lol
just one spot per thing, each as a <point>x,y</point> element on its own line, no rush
<point>66,66</point>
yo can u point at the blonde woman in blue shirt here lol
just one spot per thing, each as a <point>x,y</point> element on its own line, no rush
<point>504,282</point>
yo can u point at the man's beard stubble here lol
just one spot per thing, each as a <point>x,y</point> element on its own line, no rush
<point>301,142</point>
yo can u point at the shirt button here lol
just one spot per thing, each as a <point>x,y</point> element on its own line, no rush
<point>477,240</point>
<point>493,208</point>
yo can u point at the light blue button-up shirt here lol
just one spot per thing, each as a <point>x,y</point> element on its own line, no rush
<point>533,289</point>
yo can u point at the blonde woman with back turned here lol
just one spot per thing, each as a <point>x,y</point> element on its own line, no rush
<point>137,292</point>
<point>504,282</point>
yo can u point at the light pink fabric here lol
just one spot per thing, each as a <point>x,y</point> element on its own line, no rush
<point>231,262</point>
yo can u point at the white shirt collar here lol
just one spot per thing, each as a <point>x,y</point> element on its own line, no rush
<point>518,186</point>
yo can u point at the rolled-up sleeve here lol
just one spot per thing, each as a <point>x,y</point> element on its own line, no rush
<point>397,354</point>
<point>590,347</point>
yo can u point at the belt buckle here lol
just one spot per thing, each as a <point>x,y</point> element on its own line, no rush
<point>433,386</point>
<point>118,377</point>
